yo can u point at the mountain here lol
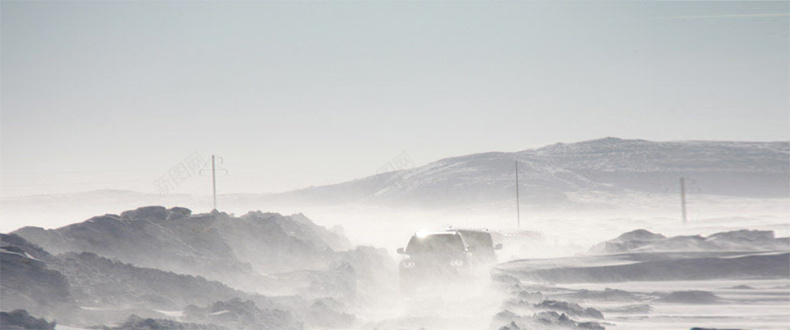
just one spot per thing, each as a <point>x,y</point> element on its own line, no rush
<point>549,174</point>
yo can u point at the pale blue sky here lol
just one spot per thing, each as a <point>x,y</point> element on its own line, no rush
<point>112,95</point>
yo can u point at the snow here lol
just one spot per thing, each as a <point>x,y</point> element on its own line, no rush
<point>173,314</point>
<point>726,267</point>
<point>719,303</point>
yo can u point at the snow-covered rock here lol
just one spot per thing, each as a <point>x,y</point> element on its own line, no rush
<point>741,240</point>
<point>29,283</point>
<point>20,319</point>
<point>217,245</point>
<point>242,314</point>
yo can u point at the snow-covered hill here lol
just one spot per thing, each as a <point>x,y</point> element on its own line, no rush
<point>549,174</point>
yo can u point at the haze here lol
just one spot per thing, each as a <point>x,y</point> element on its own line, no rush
<point>394,165</point>
<point>113,95</point>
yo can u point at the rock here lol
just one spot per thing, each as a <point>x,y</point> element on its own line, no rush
<point>153,213</point>
<point>628,241</point>
<point>506,315</point>
<point>511,326</point>
<point>21,319</point>
<point>542,320</point>
<point>569,308</point>
<point>590,325</point>
<point>242,314</point>
<point>640,235</point>
<point>505,279</point>
<point>152,259</point>
<point>216,246</point>
<point>179,211</point>
<point>135,322</point>
<point>12,240</point>
<point>328,313</point>
<point>28,283</point>
<point>102,282</point>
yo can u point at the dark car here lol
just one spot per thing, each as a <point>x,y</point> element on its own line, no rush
<point>481,243</point>
<point>433,258</point>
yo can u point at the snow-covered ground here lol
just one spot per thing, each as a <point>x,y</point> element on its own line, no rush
<point>567,231</point>
<point>745,304</point>
<point>735,304</point>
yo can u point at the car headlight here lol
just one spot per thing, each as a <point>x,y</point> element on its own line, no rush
<point>457,263</point>
<point>407,264</point>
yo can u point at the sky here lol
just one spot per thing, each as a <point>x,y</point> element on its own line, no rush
<point>120,95</point>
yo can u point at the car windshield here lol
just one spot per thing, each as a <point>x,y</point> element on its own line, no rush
<point>435,244</point>
<point>477,239</point>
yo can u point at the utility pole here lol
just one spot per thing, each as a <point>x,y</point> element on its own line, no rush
<point>518,206</point>
<point>214,182</point>
<point>683,198</point>
<point>214,160</point>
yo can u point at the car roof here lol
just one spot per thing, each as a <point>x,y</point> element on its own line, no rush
<point>432,233</point>
<point>478,230</point>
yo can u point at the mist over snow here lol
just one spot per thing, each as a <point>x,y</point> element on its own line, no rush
<point>600,245</point>
<point>394,165</point>
<point>613,185</point>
